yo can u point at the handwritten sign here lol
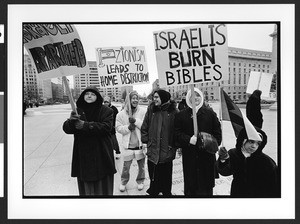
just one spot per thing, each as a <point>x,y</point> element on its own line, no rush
<point>192,55</point>
<point>261,81</point>
<point>55,49</point>
<point>122,66</point>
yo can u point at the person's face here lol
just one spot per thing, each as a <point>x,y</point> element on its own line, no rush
<point>198,99</point>
<point>90,97</point>
<point>251,146</point>
<point>106,101</point>
<point>134,101</point>
<point>156,99</point>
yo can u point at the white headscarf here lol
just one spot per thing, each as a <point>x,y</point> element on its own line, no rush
<point>189,99</point>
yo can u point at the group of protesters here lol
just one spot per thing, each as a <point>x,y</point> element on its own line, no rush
<point>152,135</point>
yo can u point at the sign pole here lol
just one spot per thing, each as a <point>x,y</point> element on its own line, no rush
<point>65,81</point>
<point>129,104</point>
<point>194,110</point>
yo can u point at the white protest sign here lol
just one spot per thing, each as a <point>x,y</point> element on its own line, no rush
<point>261,81</point>
<point>122,66</point>
<point>55,49</point>
<point>192,55</point>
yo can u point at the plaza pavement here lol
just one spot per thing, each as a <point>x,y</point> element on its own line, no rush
<point>48,154</point>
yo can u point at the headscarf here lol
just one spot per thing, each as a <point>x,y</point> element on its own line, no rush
<point>91,110</point>
<point>163,95</point>
<point>128,104</point>
<point>189,99</point>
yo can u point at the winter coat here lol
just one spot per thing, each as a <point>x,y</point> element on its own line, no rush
<point>253,111</point>
<point>92,158</point>
<point>122,124</point>
<point>182,105</point>
<point>198,165</point>
<point>113,130</point>
<point>254,176</point>
<point>158,132</point>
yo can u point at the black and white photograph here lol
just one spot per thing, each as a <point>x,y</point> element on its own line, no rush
<point>189,107</point>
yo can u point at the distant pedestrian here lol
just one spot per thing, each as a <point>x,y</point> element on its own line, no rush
<point>158,134</point>
<point>198,152</point>
<point>107,102</point>
<point>93,162</point>
<point>182,104</point>
<point>253,109</point>
<point>130,128</point>
<point>254,173</point>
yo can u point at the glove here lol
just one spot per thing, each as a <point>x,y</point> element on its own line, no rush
<point>74,116</point>
<point>223,154</point>
<point>193,140</point>
<point>79,124</point>
<point>131,120</point>
<point>131,127</point>
<point>145,148</point>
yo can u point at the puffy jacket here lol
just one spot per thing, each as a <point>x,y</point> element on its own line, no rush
<point>122,123</point>
<point>158,132</point>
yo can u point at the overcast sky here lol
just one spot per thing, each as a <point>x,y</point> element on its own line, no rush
<point>249,36</point>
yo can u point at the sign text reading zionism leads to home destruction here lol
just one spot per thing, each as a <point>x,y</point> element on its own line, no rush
<point>55,49</point>
<point>122,66</point>
<point>192,55</point>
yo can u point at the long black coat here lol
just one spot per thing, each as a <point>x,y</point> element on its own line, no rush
<point>92,149</point>
<point>157,132</point>
<point>198,166</point>
<point>254,176</point>
<point>253,110</point>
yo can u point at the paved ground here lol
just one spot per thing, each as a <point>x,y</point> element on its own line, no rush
<point>48,154</point>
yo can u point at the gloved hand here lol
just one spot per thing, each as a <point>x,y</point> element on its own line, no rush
<point>74,116</point>
<point>223,154</point>
<point>145,148</point>
<point>79,124</point>
<point>193,140</point>
<point>131,120</point>
<point>131,127</point>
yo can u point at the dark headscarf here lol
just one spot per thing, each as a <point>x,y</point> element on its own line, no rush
<point>163,95</point>
<point>91,110</point>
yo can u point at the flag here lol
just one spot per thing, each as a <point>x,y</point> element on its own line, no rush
<point>231,112</point>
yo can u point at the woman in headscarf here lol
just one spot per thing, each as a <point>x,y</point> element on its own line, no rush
<point>93,161</point>
<point>158,134</point>
<point>129,125</point>
<point>253,109</point>
<point>198,161</point>
<point>254,173</point>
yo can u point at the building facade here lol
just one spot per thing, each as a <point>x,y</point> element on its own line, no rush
<point>240,63</point>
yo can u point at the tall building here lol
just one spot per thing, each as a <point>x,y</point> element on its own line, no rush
<point>82,81</point>
<point>34,88</point>
<point>240,63</point>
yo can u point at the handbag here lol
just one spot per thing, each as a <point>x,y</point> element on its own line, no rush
<point>207,142</point>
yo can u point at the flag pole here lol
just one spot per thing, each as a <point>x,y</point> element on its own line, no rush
<point>194,110</point>
<point>220,114</point>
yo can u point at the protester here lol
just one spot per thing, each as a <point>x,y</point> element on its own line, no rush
<point>93,162</point>
<point>198,152</point>
<point>182,104</point>
<point>253,109</point>
<point>107,102</point>
<point>254,173</point>
<point>130,128</point>
<point>158,133</point>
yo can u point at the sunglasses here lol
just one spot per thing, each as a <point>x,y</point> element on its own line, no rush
<point>106,102</point>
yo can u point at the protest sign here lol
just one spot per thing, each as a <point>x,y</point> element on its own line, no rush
<point>192,55</point>
<point>261,81</point>
<point>122,66</point>
<point>55,49</point>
